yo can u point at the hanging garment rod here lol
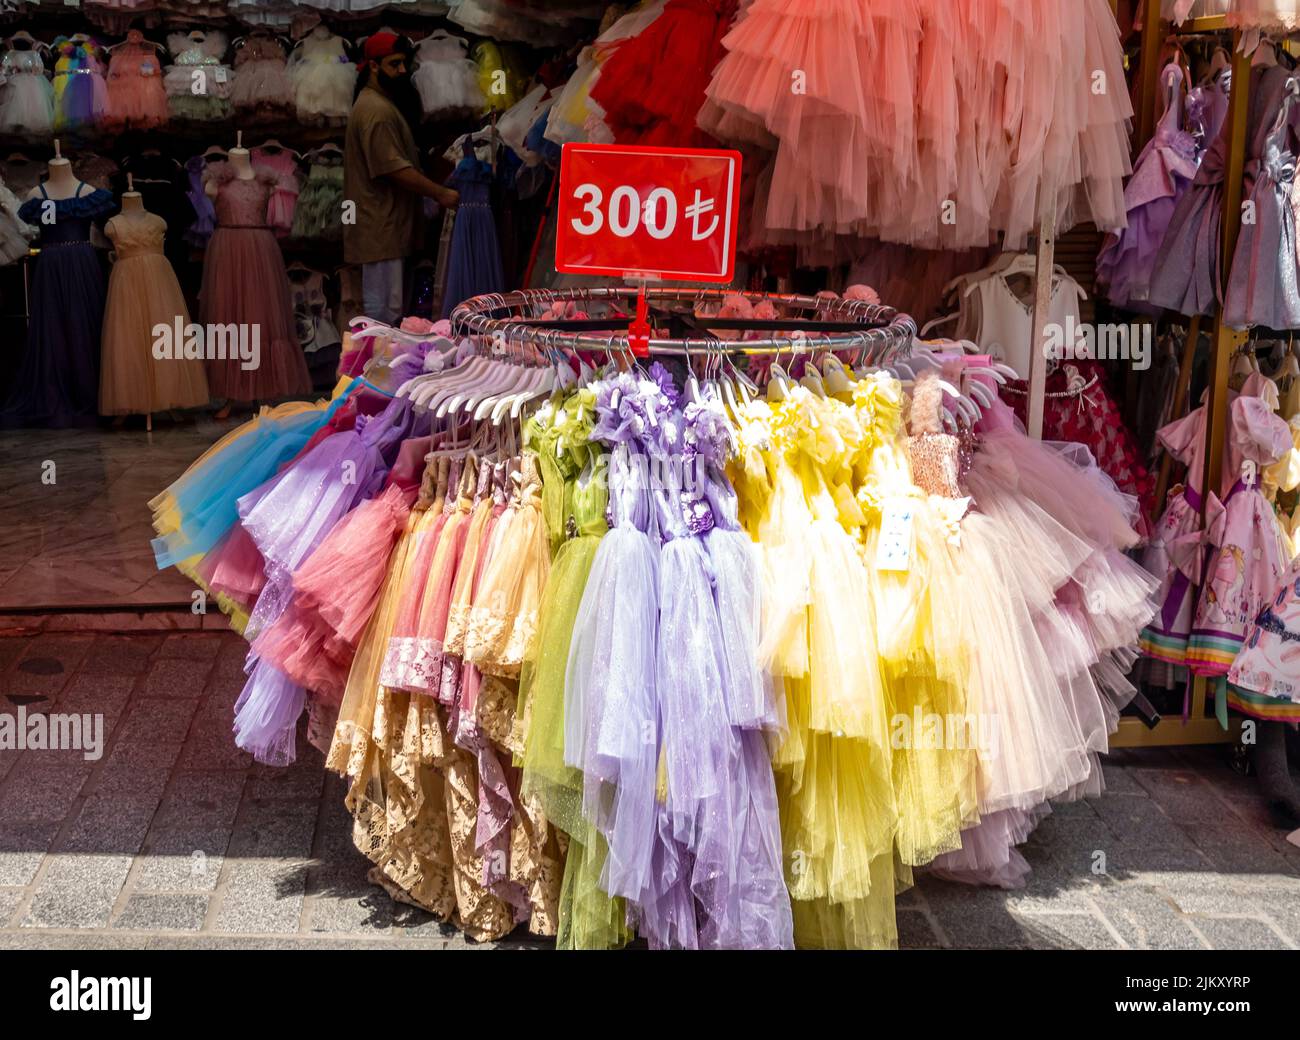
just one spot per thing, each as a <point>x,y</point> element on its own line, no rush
<point>822,324</point>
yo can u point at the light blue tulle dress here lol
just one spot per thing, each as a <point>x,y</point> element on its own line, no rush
<point>287,518</point>
<point>200,506</point>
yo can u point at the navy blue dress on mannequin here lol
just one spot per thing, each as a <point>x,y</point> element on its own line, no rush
<point>57,383</point>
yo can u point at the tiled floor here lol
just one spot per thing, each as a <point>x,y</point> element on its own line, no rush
<point>174,838</point>
<point>75,524</point>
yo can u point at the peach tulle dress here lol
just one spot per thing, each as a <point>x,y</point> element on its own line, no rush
<point>136,97</point>
<point>142,293</point>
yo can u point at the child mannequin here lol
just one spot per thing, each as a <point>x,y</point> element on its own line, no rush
<point>62,183</point>
<point>241,162</point>
<point>132,203</point>
<point>142,373</point>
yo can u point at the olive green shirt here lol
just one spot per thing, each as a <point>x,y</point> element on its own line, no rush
<point>388,222</point>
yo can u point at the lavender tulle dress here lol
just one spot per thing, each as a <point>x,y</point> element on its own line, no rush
<point>684,798</point>
<point>1161,175</point>
<point>205,213</point>
<point>1185,276</point>
<point>720,823</point>
<point>1264,283</point>
<point>287,518</point>
<point>611,724</point>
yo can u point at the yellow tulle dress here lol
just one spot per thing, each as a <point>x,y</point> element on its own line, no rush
<point>507,604</point>
<point>934,734</point>
<point>833,768</point>
<point>867,648</point>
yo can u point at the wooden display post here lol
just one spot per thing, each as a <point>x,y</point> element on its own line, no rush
<point>1045,260</point>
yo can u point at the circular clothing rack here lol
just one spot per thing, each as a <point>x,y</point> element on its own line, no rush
<point>805,324</point>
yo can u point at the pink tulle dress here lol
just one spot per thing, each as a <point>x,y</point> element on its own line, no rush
<point>399,668</point>
<point>136,97</point>
<point>424,674</point>
<point>337,587</point>
<point>261,91</point>
<point>245,285</point>
<point>281,164</point>
<point>1278,15</point>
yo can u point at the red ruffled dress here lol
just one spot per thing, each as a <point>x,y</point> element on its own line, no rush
<point>652,86</point>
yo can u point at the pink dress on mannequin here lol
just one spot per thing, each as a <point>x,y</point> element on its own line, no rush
<point>244,283</point>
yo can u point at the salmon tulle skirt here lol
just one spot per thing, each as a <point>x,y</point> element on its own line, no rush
<point>244,284</point>
<point>855,112</point>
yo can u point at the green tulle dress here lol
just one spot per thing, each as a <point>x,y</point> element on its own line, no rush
<point>574,496</point>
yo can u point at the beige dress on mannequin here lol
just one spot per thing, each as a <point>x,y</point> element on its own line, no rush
<point>143,293</point>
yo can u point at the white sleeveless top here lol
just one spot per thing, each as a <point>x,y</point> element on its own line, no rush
<point>1007,324</point>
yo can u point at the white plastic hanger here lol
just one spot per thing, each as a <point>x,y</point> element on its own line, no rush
<point>1290,367</point>
<point>812,379</point>
<point>981,393</point>
<point>427,387</point>
<point>834,376</point>
<point>543,384</point>
<point>499,378</point>
<point>516,377</point>
<point>449,397</point>
<point>778,384</point>
<point>417,387</point>
<point>496,406</point>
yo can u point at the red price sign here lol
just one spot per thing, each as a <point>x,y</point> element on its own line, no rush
<point>666,212</point>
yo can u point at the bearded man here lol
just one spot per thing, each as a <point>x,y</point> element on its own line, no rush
<point>382,178</point>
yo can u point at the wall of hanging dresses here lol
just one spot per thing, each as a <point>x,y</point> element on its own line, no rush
<point>580,72</point>
<point>1209,262</point>
<point>154,98</point>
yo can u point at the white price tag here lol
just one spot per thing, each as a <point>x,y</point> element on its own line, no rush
<point>146,69</point>
<point>894,550</point>
<point>220,73</point>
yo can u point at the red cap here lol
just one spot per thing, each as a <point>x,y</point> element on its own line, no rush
<point>381,45</point>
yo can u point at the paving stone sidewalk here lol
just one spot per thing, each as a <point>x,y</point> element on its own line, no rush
<point>176,839</point>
